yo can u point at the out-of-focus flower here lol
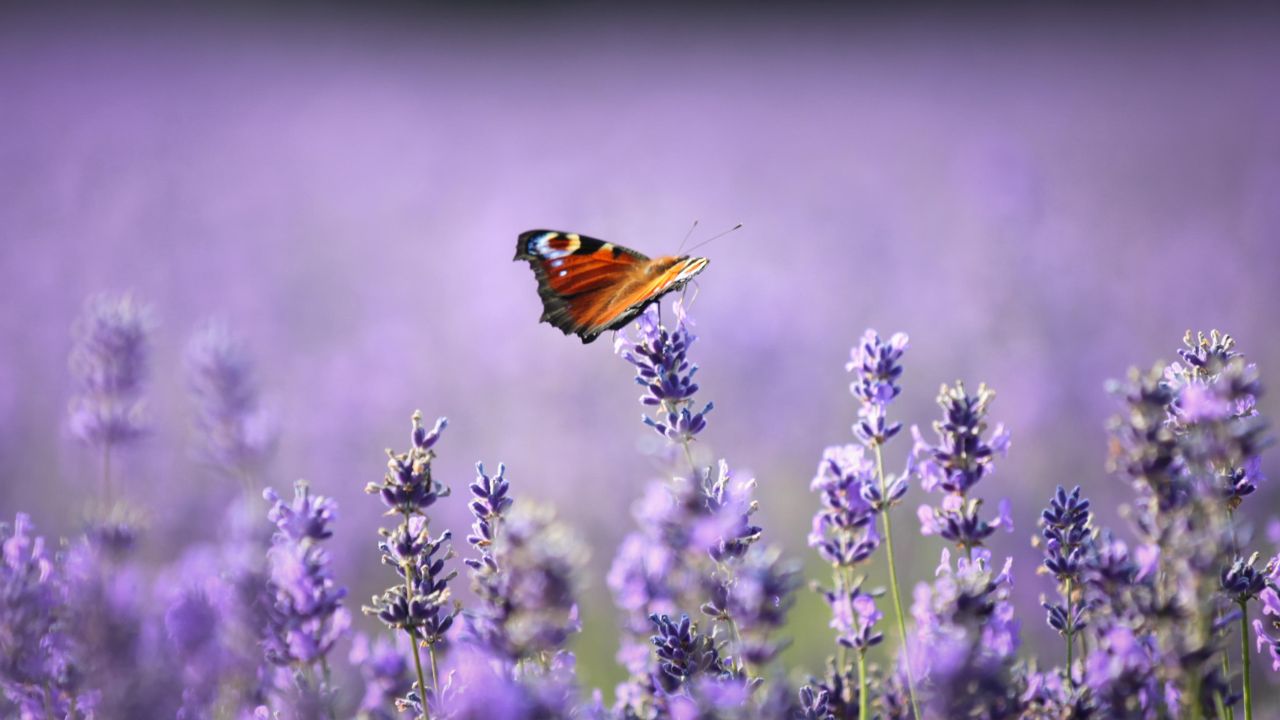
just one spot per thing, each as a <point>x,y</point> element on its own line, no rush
<point>236,434</point>
<point>531,599</point>
<point>109,365</point>
<point>38,670</point>
<point>307,618</point>
<point>1122,674</point>
<point>384,667</point>
<point>967,638</point>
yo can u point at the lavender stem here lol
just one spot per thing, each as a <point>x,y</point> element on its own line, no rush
<point>1244,653</point>
<point>893,584</point>
<point>863,704</point>
<point>413,637</point>
<point>1071,680</point>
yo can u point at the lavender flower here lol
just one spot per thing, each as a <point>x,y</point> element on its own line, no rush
<point>878,367</point>
<point>419,603</point>
<point>125,652</point>
<point>1267,628</point>
<point>237,435</point>
<point>1188,444</point>
<point>386,674</point>
<point>967,638</point>
<point>109,366</point>
<point>38,670</point>
<point>307,618</point>
<point>1122,674</point>
<point>697,548</point>
<point>844,534</point>
<point>960,460</point>
<point>1214,414</point>
<point>528,584</point>
<point>1068,544</point>
<point>855,490</point>
<point>526,580</point>
<point>814,704</point>
<point>684,653</point>
<point>843,529</point>
<point>660,357</point>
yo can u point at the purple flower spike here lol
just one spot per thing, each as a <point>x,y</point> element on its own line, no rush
<point>660,357</point>
<point>384,667</point>
<point>420,603</point>
<point>963,457</point>
<point>878,366</point>
<point>408,488</point>
<point>237,435</point>
<point>110,366</point>
<point>307,617</point>
<point>683,653</point>
<point>1068,547</point>
<point>307,517</point>
<point>38,669</point>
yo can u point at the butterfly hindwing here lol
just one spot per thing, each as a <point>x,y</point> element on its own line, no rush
<point>589,286</point>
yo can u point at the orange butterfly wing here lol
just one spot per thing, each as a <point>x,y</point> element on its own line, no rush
<point>589,286</point>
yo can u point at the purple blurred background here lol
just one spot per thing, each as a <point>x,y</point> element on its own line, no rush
<point>1040,201</point>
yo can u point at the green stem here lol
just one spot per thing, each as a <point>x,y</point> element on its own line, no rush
<point>1071,680</point>
<point>413,638</point>
<point>106,474</point>
<point>863,704</point>
<point>435,673</point>
<point>1230,712</point>
<point>328,687</point>
<point>893,585</point>
<point>1244,654</point>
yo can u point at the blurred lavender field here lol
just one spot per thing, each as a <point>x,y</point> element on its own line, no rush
<point>1040,202</point>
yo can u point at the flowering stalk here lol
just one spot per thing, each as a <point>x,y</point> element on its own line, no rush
<point>109,366</point>
<point>307,618</point>
<point>961,459</point>
<point>419,605</point>
<point>39,672</point>
<point>663,369</point>
<point>1065,528</point>
<point>236,433</point>
<point>526,581</point>
<point>844,535</point>
<point>877,365</point>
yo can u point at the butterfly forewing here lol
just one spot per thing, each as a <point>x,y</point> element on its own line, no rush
<point>589,286</point>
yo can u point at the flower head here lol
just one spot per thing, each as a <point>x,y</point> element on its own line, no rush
<point>109,364</point>
<point>407,488</point>
<point>307,617</point>
<point>237,434</point>
<point>663,369</point>
<point>877,367</point>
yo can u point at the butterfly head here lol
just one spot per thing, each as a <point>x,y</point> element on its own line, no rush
<point>689,267</point>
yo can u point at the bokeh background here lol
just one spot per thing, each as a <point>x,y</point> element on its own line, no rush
<point>1041,199</point>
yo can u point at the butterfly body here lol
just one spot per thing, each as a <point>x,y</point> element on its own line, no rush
<point>589,286</point>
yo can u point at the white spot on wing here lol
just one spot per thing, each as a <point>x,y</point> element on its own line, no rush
<point>544,249</point>
<point>563,273</point>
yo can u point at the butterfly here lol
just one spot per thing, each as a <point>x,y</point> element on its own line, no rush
<point>589,286</point>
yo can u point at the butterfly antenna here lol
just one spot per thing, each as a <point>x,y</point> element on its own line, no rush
<point>715,237</point>
<point>687,236</point>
